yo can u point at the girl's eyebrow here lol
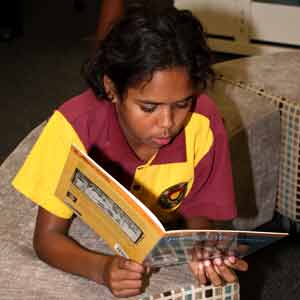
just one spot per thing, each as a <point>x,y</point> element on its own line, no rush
<point>160,103</point>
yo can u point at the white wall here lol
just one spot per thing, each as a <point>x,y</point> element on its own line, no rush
<point>245,26</point>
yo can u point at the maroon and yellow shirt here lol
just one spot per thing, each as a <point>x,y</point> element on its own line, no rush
<point>190,176</point>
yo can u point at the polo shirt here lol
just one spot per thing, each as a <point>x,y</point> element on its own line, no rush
<point>189,177</point>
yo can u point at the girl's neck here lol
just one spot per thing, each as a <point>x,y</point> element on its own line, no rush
<point>145,153</point>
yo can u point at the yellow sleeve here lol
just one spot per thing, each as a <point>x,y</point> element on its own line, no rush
<point>38,177</point>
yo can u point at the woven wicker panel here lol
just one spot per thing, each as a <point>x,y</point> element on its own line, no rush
<point>288,194</point>
<point>227,292</point>
<point>288,202</point>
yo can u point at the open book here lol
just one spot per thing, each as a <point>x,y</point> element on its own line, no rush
<point>132,230</point>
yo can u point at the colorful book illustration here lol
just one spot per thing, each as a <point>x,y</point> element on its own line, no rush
<point>132,230</point>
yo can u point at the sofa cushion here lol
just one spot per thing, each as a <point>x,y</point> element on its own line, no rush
<point>253,126</point>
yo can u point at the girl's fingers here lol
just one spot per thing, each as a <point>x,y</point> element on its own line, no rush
<point>236,263</point>
<point>127,284</point>
<point>130,265</point>
<point>218,270</point>
<point>198,271</point>
<point>124,274</point>
<point>201,273</point>
<point>211,273</point>
<point>126,292</point>
<point>227,274</point>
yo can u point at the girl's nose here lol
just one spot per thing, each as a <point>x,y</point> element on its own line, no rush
<point>166,118</point>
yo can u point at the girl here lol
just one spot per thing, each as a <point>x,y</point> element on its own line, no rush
<point>147,121</point>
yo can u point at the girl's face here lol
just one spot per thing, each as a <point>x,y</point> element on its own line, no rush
<point>152,113</point>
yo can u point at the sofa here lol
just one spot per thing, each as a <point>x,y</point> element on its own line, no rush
<point>247,92</point>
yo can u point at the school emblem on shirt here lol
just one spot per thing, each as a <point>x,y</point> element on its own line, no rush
<point>172,197</point>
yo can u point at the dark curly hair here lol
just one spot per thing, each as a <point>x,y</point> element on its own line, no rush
<point>147,41</point>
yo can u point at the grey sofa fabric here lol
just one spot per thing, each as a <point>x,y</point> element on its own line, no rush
<point>253,126</point>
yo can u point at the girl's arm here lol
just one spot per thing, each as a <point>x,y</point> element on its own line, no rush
<point>54,246</point>
<point>199,223</point>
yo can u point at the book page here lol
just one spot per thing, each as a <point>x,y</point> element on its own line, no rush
<point>178,246</point>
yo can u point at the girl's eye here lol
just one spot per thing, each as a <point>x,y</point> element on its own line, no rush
<point>184,103</point>
<point>148,107</point>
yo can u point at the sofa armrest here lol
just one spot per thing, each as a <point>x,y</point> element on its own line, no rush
<point>253,126</point>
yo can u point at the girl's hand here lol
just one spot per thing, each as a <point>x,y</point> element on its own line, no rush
<point>124,277</point>
<point>217,270</point>
<point>214,260</point>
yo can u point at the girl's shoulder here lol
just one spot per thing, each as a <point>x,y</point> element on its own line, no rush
<point>206,106</point>
<point>84,106</point>
<point>89,116</point>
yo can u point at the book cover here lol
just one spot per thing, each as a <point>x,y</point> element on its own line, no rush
<point>132,230</point>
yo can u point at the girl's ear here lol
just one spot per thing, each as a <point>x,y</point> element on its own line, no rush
<point>110,89</point>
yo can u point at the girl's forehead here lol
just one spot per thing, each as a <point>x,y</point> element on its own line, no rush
<point>164,88</point>
<point>168,81</point>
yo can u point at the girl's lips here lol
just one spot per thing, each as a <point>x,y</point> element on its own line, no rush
<point>162,141</point>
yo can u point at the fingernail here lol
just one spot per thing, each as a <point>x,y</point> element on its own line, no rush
<point>232,259</point>
<point>207,263</point>
<point>218,261</point>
